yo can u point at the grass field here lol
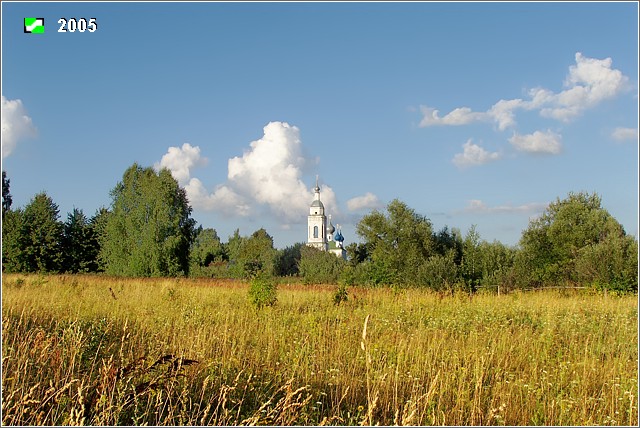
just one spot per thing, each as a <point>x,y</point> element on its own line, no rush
<point>93,350</point>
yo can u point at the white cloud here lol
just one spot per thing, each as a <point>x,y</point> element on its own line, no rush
<point>180,161</point>
<point>271,173</point>
<point>502,113</point>
<point>622,134</point>
<point>478,207</point>
<point>222,199</point>
<point>589,82</point>
<point>474,155</point>
<point>459,116</point>
<point>538,142</point>
<point>367,201</point>
<point>16,125</point>
<point>268,174</point>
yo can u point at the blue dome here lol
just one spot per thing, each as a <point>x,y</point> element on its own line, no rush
<point>339,237</point>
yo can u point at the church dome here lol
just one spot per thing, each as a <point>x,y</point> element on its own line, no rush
<point>330,228</point>
<point>317,203</point>
<point>339,237</point>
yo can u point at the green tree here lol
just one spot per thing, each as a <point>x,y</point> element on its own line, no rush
<point>256,254</point>
<point>357,253</point>
<point>287,260</point>
<point>206,250</point>
<point>445,241</point>
<point>553,243</point>
<point>149,229</point>
<point>99,226</point>
<point>6,194</point>
<point>496,261</point>
<point>611,263</point>
<point>41,235</point>
<point>398,243</point>
<point>12,222</point>
<point>80,244</point>
<point>232,250</point>
<point>250,255</point>
<point>319,267</point>
<point>439,272</point>
<point>471,267</point>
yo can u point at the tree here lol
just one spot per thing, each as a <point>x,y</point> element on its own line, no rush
<point>496,260</point>
<point>41,236</point>
<point>256,254</point>
<point>439,272</point>
<point>357,253</point>
<point>6,194</point>
<point>398,243</point>
<point>611,263</point>
<point>80,244</point>
<point>149,229</point>
<point>287,260</point>
<point>471,266</point>
<point>250,255</point>
<point>12,223</point>
<point>445,241</point>
<point>206,250</point>
<point>99,226</point>
<point>319,267</point>
<point>553,243</point>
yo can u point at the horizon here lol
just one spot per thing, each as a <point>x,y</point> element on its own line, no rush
<point>468,121</point>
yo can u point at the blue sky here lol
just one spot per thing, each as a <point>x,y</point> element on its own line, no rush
<point>470,113</point>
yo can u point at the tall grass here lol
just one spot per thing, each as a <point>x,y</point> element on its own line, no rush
<point>93,350</point>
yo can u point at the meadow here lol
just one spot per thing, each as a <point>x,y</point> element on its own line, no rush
<point>95,350</point>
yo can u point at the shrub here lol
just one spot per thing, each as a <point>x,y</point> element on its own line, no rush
<point>263,291</point>
<point>340,295</point>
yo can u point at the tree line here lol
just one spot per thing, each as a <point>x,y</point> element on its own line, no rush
<point>148,231</point>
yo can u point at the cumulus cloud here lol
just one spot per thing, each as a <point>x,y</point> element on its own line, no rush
<point>180,161</point>
<point>16,125</point>
<point>589,82</point>
<point>223,199</point>
<point>473,154</point>
<point>622,134</point>
<point>538,142</point>
<point>268,174</point>
<point>502,113</point>
<point>367,201</point>
<point>459,116</point>
<point>476,206</point>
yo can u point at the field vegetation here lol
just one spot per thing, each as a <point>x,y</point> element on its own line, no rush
<point>99,350</point>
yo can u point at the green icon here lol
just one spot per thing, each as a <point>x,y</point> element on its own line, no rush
<point>34,25</point>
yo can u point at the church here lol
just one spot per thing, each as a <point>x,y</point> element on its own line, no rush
<point>321,234</point>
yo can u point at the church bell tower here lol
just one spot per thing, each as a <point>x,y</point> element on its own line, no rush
<point>317,222</point>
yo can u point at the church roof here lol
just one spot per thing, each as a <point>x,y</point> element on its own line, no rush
<point>317,203</point>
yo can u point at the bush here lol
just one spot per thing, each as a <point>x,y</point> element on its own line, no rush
<point>263,291</point>
<point>340,295</point>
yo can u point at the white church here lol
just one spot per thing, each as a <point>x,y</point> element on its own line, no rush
<point>320,234</point>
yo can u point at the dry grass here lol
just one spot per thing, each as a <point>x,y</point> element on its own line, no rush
<point>92,350</point>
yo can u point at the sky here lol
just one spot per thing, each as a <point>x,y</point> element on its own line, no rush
<point>470,113</point>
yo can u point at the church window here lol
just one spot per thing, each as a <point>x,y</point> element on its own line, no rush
<point>315,231</point>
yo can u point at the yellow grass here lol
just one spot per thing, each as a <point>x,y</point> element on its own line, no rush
<point>93,350</point>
